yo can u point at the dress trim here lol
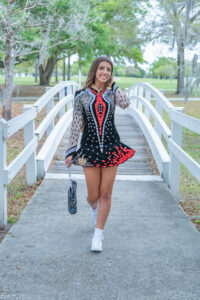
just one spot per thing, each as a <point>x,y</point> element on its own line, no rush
<point>71,151</point>
<point>100,119</point>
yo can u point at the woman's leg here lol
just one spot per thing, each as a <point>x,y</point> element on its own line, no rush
<point>106,184</point>
<point>93,178</point>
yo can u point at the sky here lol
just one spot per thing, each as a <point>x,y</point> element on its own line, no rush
<point>153,52</point>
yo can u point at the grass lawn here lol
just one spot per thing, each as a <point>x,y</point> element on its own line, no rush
<point>124,82</point>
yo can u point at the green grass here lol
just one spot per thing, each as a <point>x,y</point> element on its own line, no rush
<point>124,82</point>
<point>12,220</point>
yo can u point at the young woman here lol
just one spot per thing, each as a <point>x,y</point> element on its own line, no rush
<point>101,150</point>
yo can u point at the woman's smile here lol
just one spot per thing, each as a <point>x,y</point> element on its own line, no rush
<point>103,73</point>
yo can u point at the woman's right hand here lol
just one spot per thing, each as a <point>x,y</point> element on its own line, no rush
<point>68,161</point>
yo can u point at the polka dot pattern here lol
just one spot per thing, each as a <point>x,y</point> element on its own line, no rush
<point>100,143</point>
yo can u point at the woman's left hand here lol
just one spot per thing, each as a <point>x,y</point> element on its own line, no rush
<point>111,81</point>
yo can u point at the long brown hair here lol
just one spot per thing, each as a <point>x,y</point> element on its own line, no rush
<point>91,75</point>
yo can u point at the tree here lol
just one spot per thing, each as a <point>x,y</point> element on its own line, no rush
<point>164,67</point>
<point>30,27</point>
<point>14,24</point>
<point>113,30</point>
<point>68,27</point>
<point>177,23</point>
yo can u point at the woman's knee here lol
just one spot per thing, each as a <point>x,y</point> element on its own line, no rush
<point>105,196</point>
<point>93,197</point>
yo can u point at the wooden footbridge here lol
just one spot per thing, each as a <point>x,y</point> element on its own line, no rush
<point>158,148</point>
<point>141,164</point>
<point>150,247</point>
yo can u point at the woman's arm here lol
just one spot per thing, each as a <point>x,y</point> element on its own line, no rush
<point>121,98</point>
<point>76,125</point>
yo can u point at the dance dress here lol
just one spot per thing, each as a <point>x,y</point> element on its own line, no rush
<point>100,144</point>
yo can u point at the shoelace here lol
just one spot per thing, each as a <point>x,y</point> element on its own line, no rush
<point>99,238</point>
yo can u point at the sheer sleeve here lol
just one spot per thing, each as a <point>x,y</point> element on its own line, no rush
<point>76,125</point>
<point>121,98</point>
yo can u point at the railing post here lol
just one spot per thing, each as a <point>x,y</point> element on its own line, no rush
<point>49,107</point>
<point>29,134</point>
<point>3,187</point>
<point>140,95</point>
<point>174,168</point>
<point>156,125</point>
<point>148,98</point>
<point>126,90</point>
<point>61,96</point>
<point>70,90</point>
<point>135,92</point>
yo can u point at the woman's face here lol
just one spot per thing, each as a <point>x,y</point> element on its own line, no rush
<point>103,73</point>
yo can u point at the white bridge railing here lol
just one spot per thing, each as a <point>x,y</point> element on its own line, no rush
<point>168,160</point>
<point>141,94</point>
<point>36,165</point>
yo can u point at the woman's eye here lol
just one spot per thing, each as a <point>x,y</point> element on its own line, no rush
<point>102,68</point>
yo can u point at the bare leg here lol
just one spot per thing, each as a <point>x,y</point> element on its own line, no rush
<point>107,180</point>
<point>93,177</point>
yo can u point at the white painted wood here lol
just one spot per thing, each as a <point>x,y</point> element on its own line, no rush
<point>152,111</point>
<point>159,152</point>
<point>29,135</point>
<point>61,96</point>
<point>42,101</point>
<point>3,188</point>
<point>157,127</point>
<point>174,169</point>
<point>45,155</point>
<point>20,160</point>
<point>49,107</point>
<point>70,90</point>
<point>140,95</point>
<point>185,121</point>
<point>187,160</point>
<point>148,98</point>
<point>135,93</point>
<point>165,103</point>
<point>52,114</point>
<point>126,90</point>
<point>118,177</point>
<point>148,95</point>
<point>19,122</point>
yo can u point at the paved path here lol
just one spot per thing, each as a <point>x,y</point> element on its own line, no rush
<point>151,249</point>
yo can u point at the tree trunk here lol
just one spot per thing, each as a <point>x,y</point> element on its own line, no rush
<point>64,68</point>
<point>46,72</point>
<point>79,73</point>
<point>56,72</point>
<point>181,67</point>
<point>36,71</point>
<point>68,67</point>
<point>9,71</point>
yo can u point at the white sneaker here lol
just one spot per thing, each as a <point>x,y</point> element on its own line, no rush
<point>93,213</point>
<point>97,243</point>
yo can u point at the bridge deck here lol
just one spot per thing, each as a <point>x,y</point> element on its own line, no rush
<point>142,163</point>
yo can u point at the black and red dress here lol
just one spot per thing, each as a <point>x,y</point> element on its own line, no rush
<point>100,144</point>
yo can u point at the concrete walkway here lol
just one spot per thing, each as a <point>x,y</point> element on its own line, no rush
<point>151,250</point>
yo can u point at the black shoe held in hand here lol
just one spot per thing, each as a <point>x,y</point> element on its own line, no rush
<point>72,197</point>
